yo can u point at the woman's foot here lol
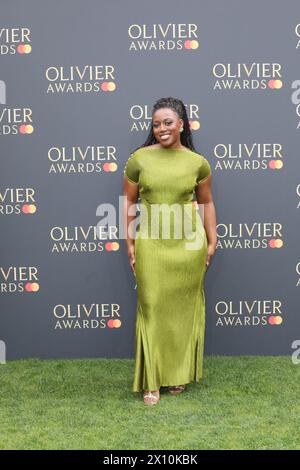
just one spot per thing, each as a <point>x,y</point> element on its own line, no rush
<point>151,398</point>
<point>175,389</point>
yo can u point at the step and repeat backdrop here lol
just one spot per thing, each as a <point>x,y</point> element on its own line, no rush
<point>78,80</point>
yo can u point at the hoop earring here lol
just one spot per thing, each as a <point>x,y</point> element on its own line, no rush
<point>181,129</point>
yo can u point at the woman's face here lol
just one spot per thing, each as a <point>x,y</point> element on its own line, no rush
<point>166,126</point>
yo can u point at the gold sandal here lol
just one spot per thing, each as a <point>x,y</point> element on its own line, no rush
<point>150,398</point>
<point>176,389</point>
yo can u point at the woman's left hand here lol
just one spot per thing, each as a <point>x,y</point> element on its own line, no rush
<point>210,253</point>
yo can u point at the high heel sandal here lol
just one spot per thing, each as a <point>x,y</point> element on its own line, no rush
<point>176,389</point>
<point>150,398</point>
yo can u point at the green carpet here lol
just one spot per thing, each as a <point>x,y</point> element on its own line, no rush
<point>241,403</point>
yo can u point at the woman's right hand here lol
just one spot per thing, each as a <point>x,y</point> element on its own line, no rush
<point>131,254</point>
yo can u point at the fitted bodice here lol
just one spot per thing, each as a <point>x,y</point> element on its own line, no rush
<point>166,175</point>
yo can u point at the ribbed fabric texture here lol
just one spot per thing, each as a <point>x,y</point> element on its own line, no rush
<point>170,316</point>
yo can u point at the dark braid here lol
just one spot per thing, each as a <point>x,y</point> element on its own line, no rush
<point>176,105</point>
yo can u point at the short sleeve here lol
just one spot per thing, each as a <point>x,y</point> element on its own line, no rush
<point>131,169</point>
<point>204,171</point>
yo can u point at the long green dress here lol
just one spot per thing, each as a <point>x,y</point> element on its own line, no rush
<point>170,316</point>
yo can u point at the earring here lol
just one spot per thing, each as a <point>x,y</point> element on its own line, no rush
<point>181,129</point>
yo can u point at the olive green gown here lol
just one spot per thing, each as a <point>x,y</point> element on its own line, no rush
<point>170,316</point>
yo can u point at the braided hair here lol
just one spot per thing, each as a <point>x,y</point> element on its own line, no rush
<point>176,105</point>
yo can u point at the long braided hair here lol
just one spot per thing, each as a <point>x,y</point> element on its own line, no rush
<point>176,105</point>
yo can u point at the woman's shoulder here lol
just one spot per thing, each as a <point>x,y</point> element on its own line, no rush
<point>144,148</point>
<point>142,151</point>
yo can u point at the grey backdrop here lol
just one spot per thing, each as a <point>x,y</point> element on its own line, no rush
<point>77,33</point>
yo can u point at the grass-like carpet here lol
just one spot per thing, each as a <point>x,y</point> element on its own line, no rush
<point>245,402</point>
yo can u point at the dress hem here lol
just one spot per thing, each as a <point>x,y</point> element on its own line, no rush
<point>184,382</point>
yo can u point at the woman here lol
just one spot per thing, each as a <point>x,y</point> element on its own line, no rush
<point>170,270</point>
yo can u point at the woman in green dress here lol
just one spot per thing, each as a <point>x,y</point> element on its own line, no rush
<point>167,173</point>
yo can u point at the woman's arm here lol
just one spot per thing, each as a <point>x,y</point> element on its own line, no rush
<point>131,193</point>
<point>204,196</point>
